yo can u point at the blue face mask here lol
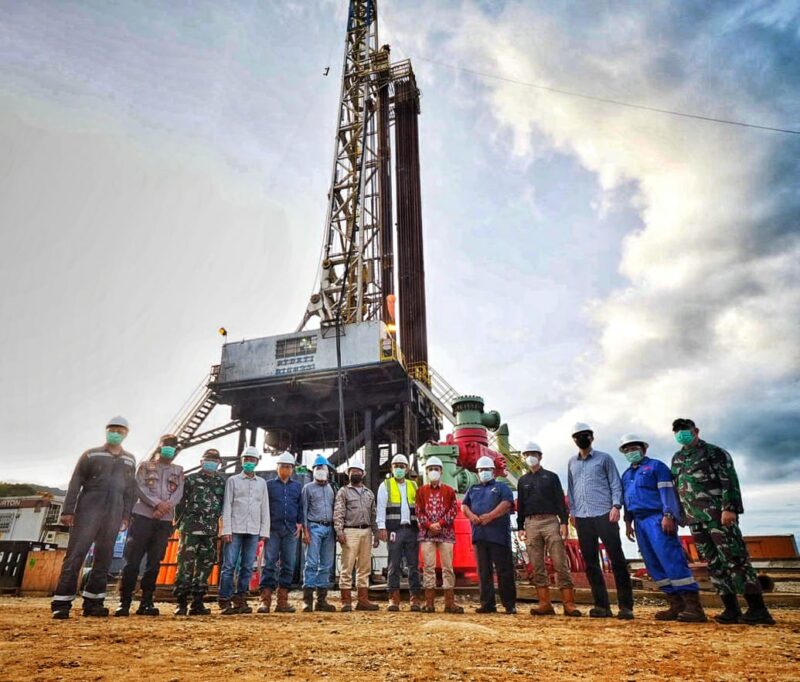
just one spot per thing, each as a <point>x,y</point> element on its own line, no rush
<point>399,473</point>
<point>167,451</point>
<point>684,437</point>
<point>210,466</point>
<point>485,475</point>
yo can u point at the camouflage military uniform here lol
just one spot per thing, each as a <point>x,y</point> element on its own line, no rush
<point>708,485</point>
<point>198,521</point>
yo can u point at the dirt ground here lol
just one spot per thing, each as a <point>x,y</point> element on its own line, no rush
<point>381,645</point>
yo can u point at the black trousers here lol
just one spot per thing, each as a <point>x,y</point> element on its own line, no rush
<point>97,520</point>
<point>145,536</point>
<point>598,528</point>
<point>493,557</point>
<point>406,546</point>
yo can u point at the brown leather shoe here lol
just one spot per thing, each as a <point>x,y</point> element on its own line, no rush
<point>347,600</point>
<point>430,601</point>
<point>363,603</point>
<point>394,600</point>
<point>283,605</point>
<point>266,600</point>
<point>450,605</point>
<point>545,607</point>
<point>676,605</point>
<point>568,600</point>
<point>416,601</point>
<point>693,610</point>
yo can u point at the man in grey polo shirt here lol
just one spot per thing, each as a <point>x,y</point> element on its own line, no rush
<point>595,498</point>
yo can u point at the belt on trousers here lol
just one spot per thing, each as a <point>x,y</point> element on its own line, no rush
<point>322,523</point>
<point>361,527</point>
<point>542,516</point>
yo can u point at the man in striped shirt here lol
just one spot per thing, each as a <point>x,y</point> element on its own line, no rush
<point>595,498</point>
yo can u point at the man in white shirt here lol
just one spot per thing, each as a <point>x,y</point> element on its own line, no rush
<point>245,521</point>
<point>397,526</point>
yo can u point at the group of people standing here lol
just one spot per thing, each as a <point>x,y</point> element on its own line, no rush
<point>107,492</point>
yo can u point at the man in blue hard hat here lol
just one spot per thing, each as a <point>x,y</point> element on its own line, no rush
<point>318,535</point>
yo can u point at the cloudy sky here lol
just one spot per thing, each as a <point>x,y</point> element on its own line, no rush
<point>163,171</point>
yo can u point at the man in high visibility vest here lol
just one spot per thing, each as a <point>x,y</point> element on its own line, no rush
<point>397,526</point>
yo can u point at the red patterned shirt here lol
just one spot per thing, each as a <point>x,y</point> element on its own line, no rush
<point>436,505</point>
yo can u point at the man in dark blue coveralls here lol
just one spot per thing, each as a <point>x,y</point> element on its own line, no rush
<point>98,505</point>
<point>653,512</point>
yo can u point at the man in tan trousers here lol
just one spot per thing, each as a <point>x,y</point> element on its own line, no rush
<point>354,520</point>
<point>436,514</point>
<point>542,525</point>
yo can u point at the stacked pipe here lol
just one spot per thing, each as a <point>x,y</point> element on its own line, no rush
<point>410,258</point>
<point>385,197</point>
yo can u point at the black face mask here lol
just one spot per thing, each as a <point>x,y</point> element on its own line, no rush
<point>355,479</point>
<point>584,440</point>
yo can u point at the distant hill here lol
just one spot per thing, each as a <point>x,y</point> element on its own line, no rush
<point>23,489</point>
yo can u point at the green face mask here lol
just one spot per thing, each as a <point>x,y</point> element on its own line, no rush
<point>634,456</point>
<point>167,451</point>
<point>684,437</point>
<point>249,467</point>
<point>399,474</point>
<point>114,438</point>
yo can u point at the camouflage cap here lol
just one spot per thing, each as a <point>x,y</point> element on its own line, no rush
<point>169,439</point>
<point>212,453</point>
<point>682,423</point>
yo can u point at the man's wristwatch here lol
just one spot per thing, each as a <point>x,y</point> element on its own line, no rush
<point>617,506</point>
<point>669,515</point>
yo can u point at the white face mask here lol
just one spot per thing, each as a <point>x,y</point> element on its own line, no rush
<point>532,460</point>
<point>486,475</point>
<point>321,474</point>
<point>435,475</point>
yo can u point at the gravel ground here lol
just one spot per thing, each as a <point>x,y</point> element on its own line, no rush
<point>381,645</point>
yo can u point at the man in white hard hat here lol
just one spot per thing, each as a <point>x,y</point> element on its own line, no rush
<point>397,526</point>
<point>286,526</point>
<point>651,504</point>
<point>542,524</point>
<point>357,532</point>
<point>595,500</point>
<point>98,505</point>
<point>245,521</point>
<point>487,505</point>
<point>437,508</point>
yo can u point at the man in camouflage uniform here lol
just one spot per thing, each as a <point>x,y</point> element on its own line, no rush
<point>197,517</point>
<point>709,491</point>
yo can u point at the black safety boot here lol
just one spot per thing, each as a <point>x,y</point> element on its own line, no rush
<point>322,602</point>
<point>124,608</point>
<point>757,612</point>
<point>600,612</point>
<point>61,613</point>
<point>94,608</point>
<point>197,607</point>
<point>146,606</point>
<point>308,599</point>
<point>732,612</point>
<point>183,604</point>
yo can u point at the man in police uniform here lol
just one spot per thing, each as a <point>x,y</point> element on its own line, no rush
<point>712,501</point>
<point>651,503</point>
<point>98,504</point>
<point>159,483</point>
<point>197,518</point>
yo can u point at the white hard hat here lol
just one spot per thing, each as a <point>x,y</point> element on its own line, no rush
<point>251,451</point>
<point>581,426</point>
<point>485,463</point>
<point>356,464</point>
<point>400,459</point>
<point>433,462</point>
<point>530,446</point>
<point>118,421</point>
<point>630,439</point>
<point>286,458</point>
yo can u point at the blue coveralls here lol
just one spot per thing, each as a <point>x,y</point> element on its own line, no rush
<point>648,494</point>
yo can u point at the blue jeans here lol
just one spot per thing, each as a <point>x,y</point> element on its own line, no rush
<point>242,550</point>
<point>319,557</point>
<point>281,547</point>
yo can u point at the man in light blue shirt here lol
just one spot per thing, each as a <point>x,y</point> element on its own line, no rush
<point>595,498</point>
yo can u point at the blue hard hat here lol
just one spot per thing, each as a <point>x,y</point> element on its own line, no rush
<point>320,461</point>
